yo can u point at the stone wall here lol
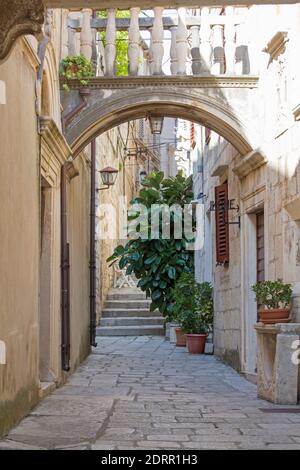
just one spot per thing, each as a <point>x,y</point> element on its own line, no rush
<point>110,152</point>
<point>19,235</point>
<point>266,180</point>
<point>30,251</point>
<point>79,230</point>
<point>226,279</point>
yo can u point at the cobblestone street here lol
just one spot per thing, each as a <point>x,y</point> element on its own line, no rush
<point>143,393</point>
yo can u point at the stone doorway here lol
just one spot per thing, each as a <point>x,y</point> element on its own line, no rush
<point>45,298</point>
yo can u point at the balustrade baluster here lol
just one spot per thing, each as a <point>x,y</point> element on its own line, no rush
<point>150,53</point>
<point>173,51</point>
<point>205,44</point>
<point>86,36</point>
<point>181,42</point>
<point>218,50</point>
<point>65,33</point>
<point>195,50</point>
<point>229,34</point>
<point>157,41</point>
<point>72,40</point>
<point>110,43</point>
<point>242,64</point>
<point>134,41</point>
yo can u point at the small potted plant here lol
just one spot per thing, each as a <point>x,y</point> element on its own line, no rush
<point>76,67</point>
<point>274,301</point>
<point>193,311</point>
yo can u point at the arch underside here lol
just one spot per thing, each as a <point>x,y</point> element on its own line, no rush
<point>127,105</point>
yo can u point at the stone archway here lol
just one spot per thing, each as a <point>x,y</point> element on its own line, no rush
<point>229,111</point>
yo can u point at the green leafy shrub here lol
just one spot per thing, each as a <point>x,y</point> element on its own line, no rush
<point>273,294</point>
<point>157,262</point>
<point>193,308</point>
<point>76,67</point>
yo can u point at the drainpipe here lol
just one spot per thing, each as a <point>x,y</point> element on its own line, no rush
<point>65,276</point>
<point>93,316</point>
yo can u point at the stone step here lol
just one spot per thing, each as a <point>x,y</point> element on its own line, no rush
<point>145,330</point>
<point>126,294</point>
<point>128,304</point>
<point>133,312</point>
<point>131,321</point>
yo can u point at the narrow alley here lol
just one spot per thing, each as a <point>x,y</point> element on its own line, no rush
<point>144,393</point>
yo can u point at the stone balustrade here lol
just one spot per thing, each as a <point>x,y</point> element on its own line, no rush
<point>175,42</point>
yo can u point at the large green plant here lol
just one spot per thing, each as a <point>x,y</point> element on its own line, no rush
<point>121,43</point>
<point>193,308</point>
<point>158,262</point>
<point>78,67</point>
<point>273,294</point>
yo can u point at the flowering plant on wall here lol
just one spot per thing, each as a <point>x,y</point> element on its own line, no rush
<point>76,67</point>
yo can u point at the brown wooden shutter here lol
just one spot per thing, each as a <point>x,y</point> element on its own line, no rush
<point>222,227</point>
<point>260,246</point>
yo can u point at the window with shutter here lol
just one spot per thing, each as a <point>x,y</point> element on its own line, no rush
<point>260,246</point>
<point>222,227</point>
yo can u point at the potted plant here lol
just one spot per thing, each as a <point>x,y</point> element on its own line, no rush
<point>76,67</point>
<point>194,312</point>
<point>274,301</point>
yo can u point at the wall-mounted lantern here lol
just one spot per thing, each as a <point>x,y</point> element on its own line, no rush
<point>143,175</point>
<point>108,176</point>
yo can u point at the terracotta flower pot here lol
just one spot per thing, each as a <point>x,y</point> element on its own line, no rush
<point>180,337</point>
<point>196,343</point>
<point>275,315</point>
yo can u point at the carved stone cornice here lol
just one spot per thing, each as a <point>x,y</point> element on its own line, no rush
<point>292,206</point>
<point>19,17</point>
<point>296,112</point>
<point>219,170</point>
<point>186,81</point>
<point>147,4</point>
<point>248,163</point>
<point>276,45</point>
<point>55,151</point>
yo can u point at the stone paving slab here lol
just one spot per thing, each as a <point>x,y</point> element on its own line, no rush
<point>144,393</point>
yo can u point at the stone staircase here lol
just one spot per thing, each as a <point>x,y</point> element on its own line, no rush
<point>127,313</point>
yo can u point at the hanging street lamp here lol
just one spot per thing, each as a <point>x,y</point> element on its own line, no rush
<point>156,124</point>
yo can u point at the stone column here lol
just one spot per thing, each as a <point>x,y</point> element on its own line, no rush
<point>157,41</point>
<point>229,34</point>
<point>86,36</point>
<point>218,50</point>
<point>181,42</point>
<point>205,44</point>
<point>110,47</point>
<point>195,50</point>
<point>286,372</point>
<point>134,41</point>
<point>173,51</point>
<point>277,372</point>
